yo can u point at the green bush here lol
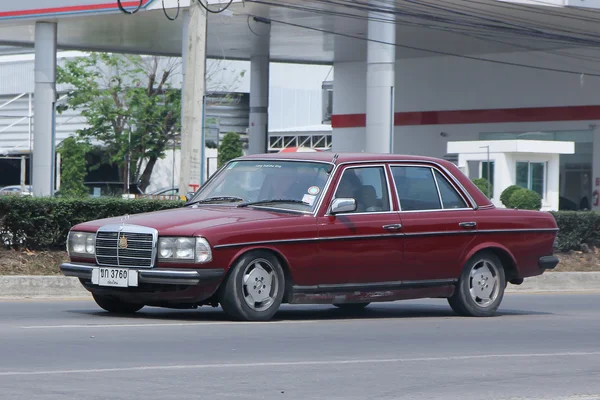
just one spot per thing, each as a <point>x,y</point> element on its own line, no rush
<point>485,186</point>
<point>506,193</point>
<point>577,228</point>
<point>43,223</point>
<point>525,199</point>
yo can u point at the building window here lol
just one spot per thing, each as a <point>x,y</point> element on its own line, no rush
<point>531,175</point>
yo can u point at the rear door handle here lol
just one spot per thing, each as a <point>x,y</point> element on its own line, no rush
<point>392,227</point>
<point>468,224</point>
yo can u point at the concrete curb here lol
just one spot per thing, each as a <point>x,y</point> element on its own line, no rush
<point>40,287</point>
<point>559,282</point>
<point>18,287</point>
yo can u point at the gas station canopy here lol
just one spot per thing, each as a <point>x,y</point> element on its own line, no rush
<point>301,30</point>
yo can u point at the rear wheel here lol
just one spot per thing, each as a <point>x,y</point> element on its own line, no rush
<point>480,288</point>
<point>114,305</point>
<point>254,289</point>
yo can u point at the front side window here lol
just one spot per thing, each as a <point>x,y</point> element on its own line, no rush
<point>294,185</point>
<point>368,186</point>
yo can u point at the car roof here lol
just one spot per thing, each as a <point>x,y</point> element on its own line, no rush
<point>340,158</point>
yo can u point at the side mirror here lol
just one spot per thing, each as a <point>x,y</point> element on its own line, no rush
<point>343,205</point>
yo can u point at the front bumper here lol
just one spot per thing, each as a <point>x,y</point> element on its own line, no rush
<point>164,276</point>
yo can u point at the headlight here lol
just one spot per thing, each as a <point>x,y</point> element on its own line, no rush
<point>81,244</point>
<point>184,249</point>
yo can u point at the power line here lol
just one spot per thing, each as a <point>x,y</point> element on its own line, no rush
<point>431,51</point>
<point>213,11</point>
<point>470,33</point>
<point>436,20</point>
<point>167,15</point>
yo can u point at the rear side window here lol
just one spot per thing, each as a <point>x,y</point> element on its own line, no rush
<point>416,188</point>
<point>424,189</point>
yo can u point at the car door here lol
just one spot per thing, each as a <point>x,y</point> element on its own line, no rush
<point>437,221</point>
<point>365,245</point>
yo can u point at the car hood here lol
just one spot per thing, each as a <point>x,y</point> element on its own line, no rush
<point>187,220</point>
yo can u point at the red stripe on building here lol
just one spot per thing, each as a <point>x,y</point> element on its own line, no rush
<point>61,10</point>
<point>348,120</point>
<point>502,115</point>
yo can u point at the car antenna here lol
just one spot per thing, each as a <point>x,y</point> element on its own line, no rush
<point>335,158</point>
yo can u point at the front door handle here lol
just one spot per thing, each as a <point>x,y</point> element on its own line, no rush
<point>392,227</point>
<point>468,224</point>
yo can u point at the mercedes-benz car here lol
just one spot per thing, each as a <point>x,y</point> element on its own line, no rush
<point>340,229</point>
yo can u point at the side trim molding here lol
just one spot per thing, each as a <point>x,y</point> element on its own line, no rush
<point>367,287</point>
<point>384,235</point>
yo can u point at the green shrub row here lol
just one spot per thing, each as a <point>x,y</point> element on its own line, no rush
<point>43,223</point>
<point>577,228</point>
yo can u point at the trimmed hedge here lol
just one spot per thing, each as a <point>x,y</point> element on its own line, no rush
<point>576,229</point>
<point>43,223</point>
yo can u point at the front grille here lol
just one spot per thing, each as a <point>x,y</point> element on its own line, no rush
<point>125,246</point>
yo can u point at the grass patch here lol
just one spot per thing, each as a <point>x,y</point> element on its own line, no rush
<point>579,261</point>
<point>22,262</point>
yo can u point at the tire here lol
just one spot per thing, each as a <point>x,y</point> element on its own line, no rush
<point>482,296</point>
<point>114,305</point>
<point>352,306</point>
<point>242,298</point>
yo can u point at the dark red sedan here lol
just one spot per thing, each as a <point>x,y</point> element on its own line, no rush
<point>341,229</point>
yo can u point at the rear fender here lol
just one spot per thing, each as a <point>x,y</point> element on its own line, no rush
<point>497,248</point>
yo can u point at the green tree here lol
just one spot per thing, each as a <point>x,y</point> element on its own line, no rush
<point>72,172</point>
<point>230,148</point>
<point>129,105</point>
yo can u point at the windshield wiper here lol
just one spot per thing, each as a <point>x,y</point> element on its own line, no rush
<point>232,199</point>
<point>254,203</point>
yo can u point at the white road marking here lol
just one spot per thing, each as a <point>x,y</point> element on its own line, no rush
<point>573,397</point>
<point>166,324</point>
<point>296,363</point>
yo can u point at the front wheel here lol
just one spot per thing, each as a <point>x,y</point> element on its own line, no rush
<point>480,288</point>
<point>114,305</point>
<point>254,289</point>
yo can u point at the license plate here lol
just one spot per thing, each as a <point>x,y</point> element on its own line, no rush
<point>116,277</point>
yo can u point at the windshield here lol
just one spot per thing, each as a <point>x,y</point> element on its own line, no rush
<point>293,185</point>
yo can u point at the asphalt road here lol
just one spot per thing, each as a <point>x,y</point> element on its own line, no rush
<point>540,347</point>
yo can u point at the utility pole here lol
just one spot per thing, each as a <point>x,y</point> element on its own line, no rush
<point>489,178</point>
<point>193,88</point>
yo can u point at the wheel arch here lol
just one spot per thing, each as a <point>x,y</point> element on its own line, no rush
<point>285,265</point>
<point>507,259</point>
